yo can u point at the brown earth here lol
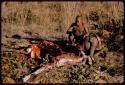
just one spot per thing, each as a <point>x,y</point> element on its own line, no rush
<point>31,21</point>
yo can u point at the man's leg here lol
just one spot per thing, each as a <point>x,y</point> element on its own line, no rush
<point>93,47</point>
<point>70,39</point>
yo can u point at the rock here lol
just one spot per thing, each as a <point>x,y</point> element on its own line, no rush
<point>8,80</point>
<point>16,36</point>
<point>5,67</point>
<point>101,81</point>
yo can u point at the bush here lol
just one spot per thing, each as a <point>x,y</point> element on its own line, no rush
<point>93,16</point>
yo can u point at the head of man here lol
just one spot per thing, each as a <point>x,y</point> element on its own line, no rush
<point>78,20</point>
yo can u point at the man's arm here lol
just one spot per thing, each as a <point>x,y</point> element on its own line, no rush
<point>86,30</point>
<point>69,31</point>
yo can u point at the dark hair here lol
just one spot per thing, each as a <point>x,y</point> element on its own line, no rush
<point>77,18</point>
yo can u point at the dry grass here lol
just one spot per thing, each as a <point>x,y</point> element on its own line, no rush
<point>51,19</point>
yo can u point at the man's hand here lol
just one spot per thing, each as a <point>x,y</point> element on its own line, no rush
<point>69,32</point>
<point>85,35</point>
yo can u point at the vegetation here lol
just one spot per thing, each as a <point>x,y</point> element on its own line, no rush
<point>50,20</point>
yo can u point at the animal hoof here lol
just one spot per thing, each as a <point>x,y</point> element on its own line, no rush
<point>90,60</point>
<point>84,62</point>
<point>94,62</point>
<point>30,60</point>
<point>90,63</point>
<point>39,57</point>
<point>26,78</point>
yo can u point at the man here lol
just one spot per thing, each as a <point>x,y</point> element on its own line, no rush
<point>85,41</point>
<point>80,33</point>
<point>78,30</point>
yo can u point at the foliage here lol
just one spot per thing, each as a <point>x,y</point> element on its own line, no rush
<point>93,16</point>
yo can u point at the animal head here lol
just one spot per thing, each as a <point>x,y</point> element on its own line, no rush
<point>34,49</point>
<point>106,33</point>
<point>28,50</point>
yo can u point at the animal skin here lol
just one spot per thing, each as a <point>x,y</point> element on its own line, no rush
<point>61,60</point>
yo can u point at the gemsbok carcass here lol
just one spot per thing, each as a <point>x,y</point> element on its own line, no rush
<point>61,60</point>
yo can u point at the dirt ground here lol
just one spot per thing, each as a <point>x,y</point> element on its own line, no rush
<point>23,22</point>
<point>107,69</point>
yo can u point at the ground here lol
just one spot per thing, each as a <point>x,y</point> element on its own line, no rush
<point>105,70</point>
<point>23,22</point>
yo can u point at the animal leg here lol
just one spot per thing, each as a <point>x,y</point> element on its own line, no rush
<point>90,60</point>
<point>84,62</point>
<point>85,57</point>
